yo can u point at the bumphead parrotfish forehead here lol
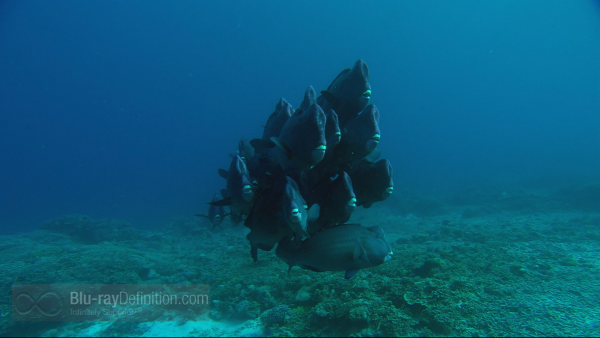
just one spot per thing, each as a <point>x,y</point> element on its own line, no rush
<point>277,119</point>
<point>302,139</point>
<point>294,208</point>
<point>373,182</point>
<point>310,97</point>
<point>333,135</point>
<point>245,150</point>
<point>360,136</point>
<point>238,183</point>
<point>349,93</point>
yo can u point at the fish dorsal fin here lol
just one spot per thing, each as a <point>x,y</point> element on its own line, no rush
<point>313,212</point>
<point>311,268</point>
<point>373,156</point>
<point>350,273</point>
<point>279,143</point>
<point>224,173</point>
<point>331,98</point>
<point>221,203</point>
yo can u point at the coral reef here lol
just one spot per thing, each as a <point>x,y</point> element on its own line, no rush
<point>502,273</point>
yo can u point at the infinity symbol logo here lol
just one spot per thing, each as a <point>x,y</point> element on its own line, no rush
<point>49,304</point>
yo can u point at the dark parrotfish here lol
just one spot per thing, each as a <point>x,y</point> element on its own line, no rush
<point>336,201</point>
<point>347,247</point>
<point>310,97</point>
<point>265,221</point>
<point>239,189</point>
<point>279,211</point>
<point>301,143</point>
<point>349,93</point>
<point>245,150</point>
<point>333,137</point>
<point>276,121</point>
<point>333,134</point>
<point>216,214</point>
<point>295,210</point>
<point>360,137</point>
<point>372,182</point>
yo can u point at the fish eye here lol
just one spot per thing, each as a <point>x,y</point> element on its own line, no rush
<point>352,202</point>
<point>321,147</point>
<point>376,138</point>
<point>295,212</point>
<point>247,188</point>
<point>367,94</point>
<point>390,190</point>
<point>305,207</point>
<point>255,183</point>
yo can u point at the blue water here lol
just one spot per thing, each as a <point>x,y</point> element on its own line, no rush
<point>118,113</point>
<point>126,109</point>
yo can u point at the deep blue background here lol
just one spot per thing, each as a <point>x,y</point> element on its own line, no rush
<point>125,109</point>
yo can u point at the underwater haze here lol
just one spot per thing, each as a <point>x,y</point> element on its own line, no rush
<point>127,108</point>
<point>123,111</point>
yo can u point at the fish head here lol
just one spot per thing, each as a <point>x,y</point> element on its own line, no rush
<point>277,119</point>
<point>361,134</point>
<point>238,183</point>
<point>315,126</point>
<point>310,97</point>
<point>245,150</point>
<point>376,246</point>
<point>353,89</point>
<point>341,194</point>
<point>294,208</point>
<point>247,191</point>
<point>303,137</point>
<point>357,85</point>
<point>382,174</point>
<point>349,93</point>
<point>333,134</point>
<point>371,132</point>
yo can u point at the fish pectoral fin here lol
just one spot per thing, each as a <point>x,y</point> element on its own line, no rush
<point>331,98</point>
<point>308,267</point>
<point>261,145</point>
<point>281,145</point>
<point>221,203</point>
<point>223,173</point>
<point>254,252</point>
<point>313,212</point>
<point>359,251</point>
<point>350,273</point>
<point>265,247</point>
